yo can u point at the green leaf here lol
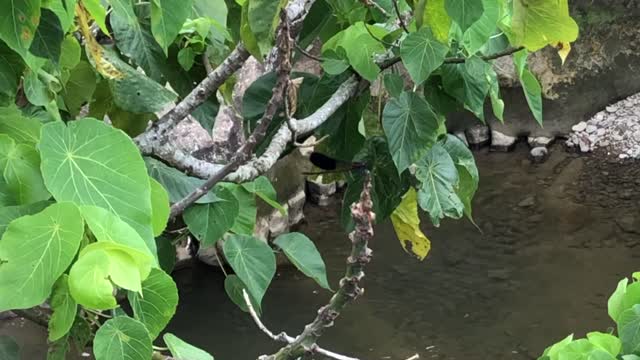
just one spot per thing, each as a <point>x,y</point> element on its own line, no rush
<point>64,309</point>
<point>64,10</point>
<point>106,226</point>
<point>9,349</point>
<point>101,265</point>
<point>253,261</point>
<point>166,253</point>
<point>262,187</point>
<point>302,253</point>
<point>535,24</point>
<point>186,57</point>
<point>79,88</point>
<point>134,91</point>
<point>467,171</point>
<point>335,62</point>
<point>359,47</point>
<point>246,35</point>
<point>70,53</point>
<point>157,303</point>
<point>20,166</point>
<point>24,130</point>
<point>47,40</point>
<point>530,85</point>
<point>160,207</point>
<point>181,350</point>
<point>606,342</point>
<point>215,10</point>
<point>97,12</point>
<point>167,18</point>
<point>122,338</point>
<point>245,222</point>
<point>10,213</point>
<point>479,33</point>
<point>394,84</point>
<point>133,124</point>
<point>90,163</point>
<point>629,329</point>
<point>614,304</point>
<point>436,17</point>
<point>552,351</point>
<point>406,224</point>
<point>421,54</point>
<point>19,23</point>
<point>34,251</point>
<point>262,15</point>
<point>464,12</point>
<point>208,222</point>
<point>233,286</point>
<point>177,184</point>
<point>411,128</point>
<point>11,67</point>
<point>468,84</point>
<point>494,92</point>
<point>438,178</point>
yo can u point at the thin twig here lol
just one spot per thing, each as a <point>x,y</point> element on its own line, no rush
<point>397,9</point>
<point>308,54</point>
<point>373,3</point>
<point>363,216</point>
<point>457,60</point>
<point>283,64</point>
<point>215,252</point>
<point>311,144</point>
<point>207,64</point>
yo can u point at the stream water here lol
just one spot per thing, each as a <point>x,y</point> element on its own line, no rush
<point>556,238</point>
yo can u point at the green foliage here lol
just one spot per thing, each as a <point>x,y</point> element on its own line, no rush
<point>302,253</point>
<point>84,217</point>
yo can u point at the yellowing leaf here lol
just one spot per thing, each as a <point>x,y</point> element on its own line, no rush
<point>563,50</point>
<point>538,23</point>
<point>102,65</point>
<point>406,223</point>
<point>436,17</point>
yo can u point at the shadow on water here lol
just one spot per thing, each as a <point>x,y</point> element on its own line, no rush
<point>556,239</point>
<point>550,253</point>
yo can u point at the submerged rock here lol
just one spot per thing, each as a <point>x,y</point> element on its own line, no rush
<point>502,142</point>
<point>477,136</point>
<point>539,154</point>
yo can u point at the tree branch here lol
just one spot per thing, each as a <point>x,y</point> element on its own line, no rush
<point>397,9</point>
<point>283,64</point>
<point>36,315</point>
<point>363,216</point>
<point>156,135</point>
<point>456,60</point>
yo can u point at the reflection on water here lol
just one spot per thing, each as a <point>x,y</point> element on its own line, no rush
<point>549,255</point>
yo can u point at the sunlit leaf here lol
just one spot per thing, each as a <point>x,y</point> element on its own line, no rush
<point>253,261</point>
<point>34,251</point>
<point>606,342</point>
<point>302,253</point>
<point>20,169</point>
<point>421,54</point>
<point>122,338</point>
<point>160,207</point>
<point>262,187</point>
<point>406,223</point>
<point>181,350</point>
<point>10,213</point>
<point>614,304</point>
<point>537,23</point>
<point>90,163</point>
<point>157,302</point>
<point>20,128</point>
<point>64,309</point>
<point>98,13</point>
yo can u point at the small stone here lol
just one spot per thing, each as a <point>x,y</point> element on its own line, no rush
<point>599,117</point>
<point>601,132</point>
<point>612,108</point>
<point>477,136</point>
<point>581,126</point>
<point>591,129</point>
<point>623,156</point>
<point>539,141</point>
<point>585,144</point>
<point>539,154</point>
<point>529,201</point>
<point>502,142</point>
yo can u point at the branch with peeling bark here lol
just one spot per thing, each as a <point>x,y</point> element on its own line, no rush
<point>350,289</point>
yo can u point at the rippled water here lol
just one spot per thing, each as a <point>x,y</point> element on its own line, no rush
<point>549,254</point>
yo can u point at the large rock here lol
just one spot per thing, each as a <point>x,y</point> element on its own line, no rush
<point>601,69</point>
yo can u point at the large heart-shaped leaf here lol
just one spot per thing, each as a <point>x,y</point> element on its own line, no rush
<point>34,251</point>
<point>439,178</point>
<point>79,88</point>
<point>234,288</point>
<point>122,338</point>
<point>302,253</point>
<point>479,33</point>
<point>64,309</point>
<point>90,163</point>
<point>10,213</point>
<point>157,302</point>
<point>411,127</point>
<point>536,24</point>
<point>245,222</point>
<point>20,171</point>
<point>421,54</point>
<point>19,23</point>
<point>406,223</point>
<point>262,187</point>
<point>48,38</point>
<point>177,184</point>
<point>167,18</point>
<point>436,17</point>
<point>468,83</point>
<point>253,261</point>
<point>208,222</point>
<point>181,350</point>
